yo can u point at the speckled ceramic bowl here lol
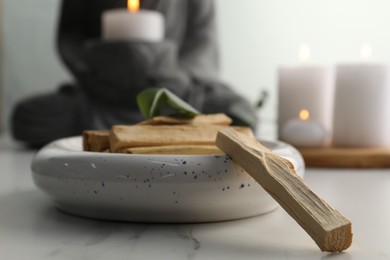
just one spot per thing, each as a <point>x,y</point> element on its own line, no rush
<point>151,188</point>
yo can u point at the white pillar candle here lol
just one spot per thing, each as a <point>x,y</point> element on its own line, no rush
<point>306,87</point>
<point>362,105</point>
<point>132,25</point>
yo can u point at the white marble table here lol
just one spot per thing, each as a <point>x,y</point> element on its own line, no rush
<point>31,228</point>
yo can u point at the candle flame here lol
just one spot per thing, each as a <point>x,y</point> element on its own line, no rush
<point>304,53</point>
<point>133,5</point>
<point>304,114</point>
<point>365,52</point>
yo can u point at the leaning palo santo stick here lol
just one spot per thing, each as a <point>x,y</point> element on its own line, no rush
<point>329,229</point>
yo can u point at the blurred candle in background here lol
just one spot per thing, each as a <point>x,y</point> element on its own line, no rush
<point>366,52</point>
<point>132,24</point>
<point>303,132</point>
<point>362,103</point>
<point>306,87</point>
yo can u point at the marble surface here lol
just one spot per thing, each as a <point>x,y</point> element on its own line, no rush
<point>31,228</point>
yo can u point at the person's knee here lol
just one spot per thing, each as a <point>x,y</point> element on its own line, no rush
<point>41,119</point>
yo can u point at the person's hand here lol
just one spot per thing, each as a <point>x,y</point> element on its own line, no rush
<point>119,70</point>
<point>115,69</point>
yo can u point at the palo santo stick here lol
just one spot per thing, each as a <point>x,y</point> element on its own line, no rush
<point>214,119</point>
<point>122,136</point>
<point>96,140</point>
<point>329,229</point>
<point>150,135</point>
<point>173,149</point>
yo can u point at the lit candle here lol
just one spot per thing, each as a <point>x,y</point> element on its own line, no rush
<point>362,103</point>
<point>132,24</point>
<point>306,86</point>
<point>304,132</point>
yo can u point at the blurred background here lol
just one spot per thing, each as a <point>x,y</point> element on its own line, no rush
<point>256,37</point>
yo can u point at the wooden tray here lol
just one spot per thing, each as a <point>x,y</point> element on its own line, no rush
<point>346,157</point>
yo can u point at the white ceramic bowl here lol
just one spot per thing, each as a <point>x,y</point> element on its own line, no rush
<point>152,188</point>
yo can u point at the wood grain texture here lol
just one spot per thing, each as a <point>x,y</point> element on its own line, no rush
<point>124,136</point>
<point>330,230</point>
<point>346,157</point>
<point>173,149</point>
<point>213,119</point>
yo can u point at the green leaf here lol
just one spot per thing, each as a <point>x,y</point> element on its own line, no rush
<point>145,100</point>
<point>152,100</point>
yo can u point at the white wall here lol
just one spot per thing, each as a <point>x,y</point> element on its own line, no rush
<point>257,36</point>
<point>1,63</point>
<point>30,61</point>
